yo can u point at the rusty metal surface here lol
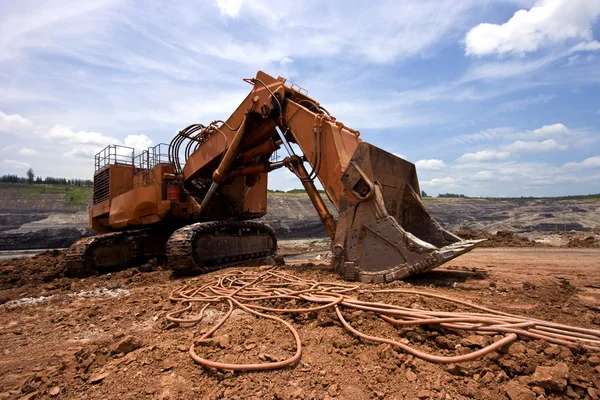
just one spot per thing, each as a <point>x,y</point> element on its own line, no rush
<point>209,246</point>
<point>383,233</point>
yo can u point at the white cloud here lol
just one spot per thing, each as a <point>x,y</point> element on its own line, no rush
<point>484,176</point>
<point>26,151</point>
<point>483,156</point>
<point>586,46</point>
<point>432,164</point>
<point>64,135</point>
<point>80,144</point>
<point>534,146</point>
<point>547,131</point>
<point>440,182</point>
<point>14,124</point>
<point>230,7</point>
<point>485,135</point>
<point>13,164</point>
<point>286,61</point>
<point>592,162</point>
<point>82,152</point>
<point>557,130</point>
<point>138,142</point>
<point>548,22</point>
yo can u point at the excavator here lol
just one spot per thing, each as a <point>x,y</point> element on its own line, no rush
<point>195,200</point>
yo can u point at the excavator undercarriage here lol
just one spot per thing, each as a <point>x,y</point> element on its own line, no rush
<point>192,201</point>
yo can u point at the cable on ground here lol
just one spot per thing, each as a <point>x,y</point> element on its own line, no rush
<point>246,290</point>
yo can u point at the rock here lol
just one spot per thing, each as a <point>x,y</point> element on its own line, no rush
<point>553,379</point>
<point>332,390</point>
<point>487,377</point>
<point>552,350</point>
<point>564,354</point>
<point>167,365</point>
<point>97,378</point>
<point>30,396</point>
<point>127,345</point>
<point>501,377</point>
<point>539,391</point>
<point>453,369</point>
<point>474,341</point>
<point>592,393</point>
<point>54,391</point>
<point>297,393</point>
<point>29,387</point>
<point>594,360</point>
<point>423,394</point>
<point>223,341</point>
<point>516,349</point>
<point>267,357</point>
<point>510,366</point>
<point>410,376</point>
<point>571,393</point>
<point>444,343</point>
<point>516,391</point>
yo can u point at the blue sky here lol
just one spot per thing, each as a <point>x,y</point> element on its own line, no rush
<point>492,98</point>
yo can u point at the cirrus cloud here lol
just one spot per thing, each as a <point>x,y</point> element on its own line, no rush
<point>535,146</point>
<point>484,156</point>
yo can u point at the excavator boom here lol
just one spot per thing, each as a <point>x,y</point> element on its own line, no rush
<point>383,232</point>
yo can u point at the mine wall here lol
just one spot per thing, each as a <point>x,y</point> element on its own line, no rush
<point>47,222</point>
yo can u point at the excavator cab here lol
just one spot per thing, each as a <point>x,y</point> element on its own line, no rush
<point>384,231</point>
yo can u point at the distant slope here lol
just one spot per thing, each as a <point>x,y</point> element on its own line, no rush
<point>31,215</point>
<point>41,197</point>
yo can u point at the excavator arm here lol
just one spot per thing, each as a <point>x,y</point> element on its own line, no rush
<point>383,232</point>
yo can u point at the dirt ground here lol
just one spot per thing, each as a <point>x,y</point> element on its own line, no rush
<point>106,337</point>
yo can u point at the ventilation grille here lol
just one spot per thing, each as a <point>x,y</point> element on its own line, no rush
<point>101,186</point>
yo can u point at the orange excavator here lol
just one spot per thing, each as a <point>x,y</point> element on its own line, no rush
<point>193,200</point>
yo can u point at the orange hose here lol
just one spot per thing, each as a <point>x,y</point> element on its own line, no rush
<point>243,290</point>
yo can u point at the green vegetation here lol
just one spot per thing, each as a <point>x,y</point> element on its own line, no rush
<point>453,195</point>
<point>75,196</point>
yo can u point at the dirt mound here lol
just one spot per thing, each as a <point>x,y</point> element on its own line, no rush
<point>43,267</point>
<point>107,337</point>
<point>589,242</point>
<point>500,239</point>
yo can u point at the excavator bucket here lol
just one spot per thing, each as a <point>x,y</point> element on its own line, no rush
<point>384,232</point>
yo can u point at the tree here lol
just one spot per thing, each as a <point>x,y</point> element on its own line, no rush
<point>423,194</point>
<point>30,175</point>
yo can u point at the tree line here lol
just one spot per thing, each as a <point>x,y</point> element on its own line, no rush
<point>49,180</point>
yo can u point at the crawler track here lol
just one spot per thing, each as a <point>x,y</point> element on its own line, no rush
<point>210,246</point>
<point>112,251</point>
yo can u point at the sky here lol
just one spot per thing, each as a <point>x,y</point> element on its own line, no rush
<point>486,97</point>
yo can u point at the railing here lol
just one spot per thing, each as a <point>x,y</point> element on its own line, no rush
<point>158,154</point>
<point>123,155</point>
<point>114,154</point>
